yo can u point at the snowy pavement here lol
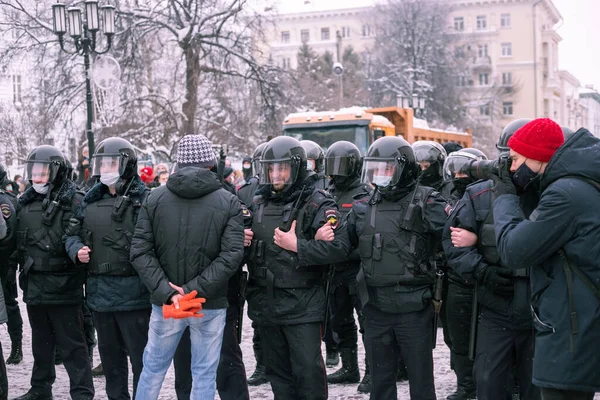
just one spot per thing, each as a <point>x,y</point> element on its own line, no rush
<point>19,375</point>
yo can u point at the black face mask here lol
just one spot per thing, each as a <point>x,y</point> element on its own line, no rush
<point>523,177</point>
<point>342,182</point>
<point>460,186</point>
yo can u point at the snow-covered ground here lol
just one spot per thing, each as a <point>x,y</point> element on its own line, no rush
<point>19,375</point>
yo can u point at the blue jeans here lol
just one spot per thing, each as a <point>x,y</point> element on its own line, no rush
<point>163,337</point>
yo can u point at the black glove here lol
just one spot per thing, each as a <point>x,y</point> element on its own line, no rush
<point>497,280</point>
<point>503,185</point>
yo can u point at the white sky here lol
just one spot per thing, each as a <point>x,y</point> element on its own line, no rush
<point>579,52</point>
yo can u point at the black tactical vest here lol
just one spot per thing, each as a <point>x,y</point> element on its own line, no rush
<point>108,228</point>
<point>271,266</point>
<point>39,238</point>
<point>394,246</point>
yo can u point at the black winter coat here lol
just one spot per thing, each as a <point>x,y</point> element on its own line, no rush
<point>190,233</point>
<point>566,218</point>
<point>107,293</point>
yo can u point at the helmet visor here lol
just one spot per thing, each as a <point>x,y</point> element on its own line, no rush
<point>40,172</point>
<point>338,166</point>
<point>457,167</point>
<point>280,174</point>
<point>381,172</point>
<point>426,153</point>
<point>103,164</point>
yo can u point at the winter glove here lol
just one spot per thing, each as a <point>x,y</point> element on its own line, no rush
<point>189,306</point>
<point>503,185</point>
<point>497,280</point>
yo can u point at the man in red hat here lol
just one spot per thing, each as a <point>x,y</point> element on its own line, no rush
<point>559,241</point>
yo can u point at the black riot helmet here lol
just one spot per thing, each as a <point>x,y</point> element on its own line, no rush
<point>314,152</point>
<point>343,159</point>
<point>567,132</point>
<point>283,163</point>
<point>507,133</point>
<point>256,157</point>
<point>46,164</point>
<point>432,155</point>
<point>390,163</point>
<point>476,152</point>
<point>115,151</point>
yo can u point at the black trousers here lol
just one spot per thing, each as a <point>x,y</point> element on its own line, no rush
<point>557,394</point>
<point>256,342</point>
<point>412,334</point>
<point>62,326</point>
<point>294,362</point>
<point>3,377</point>
<point>15,321</point>
<point>121,334</point>
<point>88,326</point>
<point>344,300</point>
<point>459,308</point>
<point>231,372</point>
<point>500,350</point>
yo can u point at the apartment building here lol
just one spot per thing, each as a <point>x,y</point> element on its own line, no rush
<point>511,47</point>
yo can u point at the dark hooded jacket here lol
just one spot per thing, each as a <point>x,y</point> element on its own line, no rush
<point>190,233</point>
<point>106,293</point>
<point>567,314</point>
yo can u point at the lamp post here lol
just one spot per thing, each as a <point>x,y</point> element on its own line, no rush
<point>83,32</point>
<point>416,102</point>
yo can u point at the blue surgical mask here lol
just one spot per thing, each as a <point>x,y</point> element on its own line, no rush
<point>381,180</point>
<point>523,177</point>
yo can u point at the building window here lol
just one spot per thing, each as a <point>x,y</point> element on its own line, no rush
<point>366,30</point>
<point>507,78</point>
<point>16,79</point>
<point>483,79</point>
<point>285,37</point>
<point>484,110</point>
<point>305,35</point>
<point>506,49</point>
<point>483,50</point>
<point>507,108</point>
<point>459,24</point>
<point>345,31</point>
<point>505,20</point>
<point>324,33</point>
<point>461,81</point>
<point>481,22</point>
<point>285,63</point>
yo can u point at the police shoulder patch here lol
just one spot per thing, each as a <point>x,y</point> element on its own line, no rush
<point>5,210</point>
<point>245,212</point>
<point>332,217</point>
<point>449,208</point>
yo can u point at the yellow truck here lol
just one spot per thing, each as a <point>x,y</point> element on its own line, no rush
<point>363,126</point>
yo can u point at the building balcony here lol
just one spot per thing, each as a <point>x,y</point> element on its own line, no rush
<point>482,64</point>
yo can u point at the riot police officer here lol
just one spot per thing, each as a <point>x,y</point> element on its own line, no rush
<point>246,195</point>
<point>52,284</point>
<point>285,292</point>
<point>8,277</point>
<point>394,229</point>
<point>315,162</point>
<point>99,238</point>
<point>504,336</point>
<point>343,165</point>
<point>8,224</point>
<point>431,156</point>
<point>459,298</point>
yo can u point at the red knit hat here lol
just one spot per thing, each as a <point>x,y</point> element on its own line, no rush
<point>538,139</point>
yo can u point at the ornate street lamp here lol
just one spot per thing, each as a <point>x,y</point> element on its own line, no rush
<point>416,102</point>
<point>83,31</point>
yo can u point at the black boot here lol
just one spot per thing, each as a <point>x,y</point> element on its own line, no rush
<point>98,371</point>
<point>16,353</point>
<point>333,357</point>
<point>259,376</point>
<point>349,372</point>
<point>365,384</point>
<point>465,388</point>
<point>34,395</point>
<point>401,373</point>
